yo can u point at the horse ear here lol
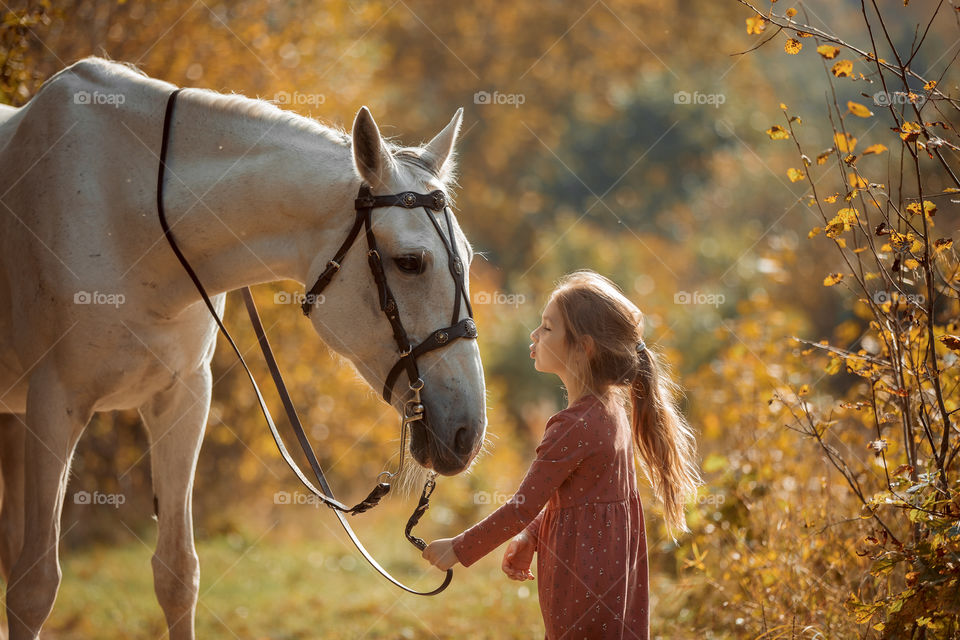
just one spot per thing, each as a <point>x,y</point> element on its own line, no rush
<point>439,151</point>
<point>369,152</point>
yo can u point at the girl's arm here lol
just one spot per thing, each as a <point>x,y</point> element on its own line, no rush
<point>559,453</point>
<point>533,530</point>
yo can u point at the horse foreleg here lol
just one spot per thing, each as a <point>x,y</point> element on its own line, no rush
<point>176,420</point>
<point>56,416</point>
<point>12,430</point>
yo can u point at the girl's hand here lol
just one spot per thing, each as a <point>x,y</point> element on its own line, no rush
<point>517,558</point>
<point>440,554</point>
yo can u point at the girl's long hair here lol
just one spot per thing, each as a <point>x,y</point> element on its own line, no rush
<point>602,322</point>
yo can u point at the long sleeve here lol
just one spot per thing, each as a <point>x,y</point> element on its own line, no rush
<point>559,453</point>
<point>533,530</point>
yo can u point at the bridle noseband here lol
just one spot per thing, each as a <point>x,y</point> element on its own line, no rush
<point>413,408</point>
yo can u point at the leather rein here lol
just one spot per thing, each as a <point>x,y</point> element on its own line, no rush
<point>408,353</point>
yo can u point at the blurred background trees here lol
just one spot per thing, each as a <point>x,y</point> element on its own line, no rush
<point>631,137</point>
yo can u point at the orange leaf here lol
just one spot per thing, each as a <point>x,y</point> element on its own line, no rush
<point>842,68</point>
<point>951,342</point>
<point>756,24</point>
<point>827,51</point>
<point>929,208</point>
<point>776,132</point>
<point>909,131</point>
<point>859,110</point>
<point>844,142</point>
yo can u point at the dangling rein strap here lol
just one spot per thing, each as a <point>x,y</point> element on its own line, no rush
<point>326,496</point>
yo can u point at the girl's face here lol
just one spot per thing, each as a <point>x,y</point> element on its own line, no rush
<point>549,348</point>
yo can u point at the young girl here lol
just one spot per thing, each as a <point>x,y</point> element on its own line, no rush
<point>590,540</point>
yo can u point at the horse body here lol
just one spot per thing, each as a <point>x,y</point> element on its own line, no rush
<point>78,245</point>
<point>96,314</point>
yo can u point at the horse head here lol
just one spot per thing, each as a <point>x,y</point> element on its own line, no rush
<point>420,256</point>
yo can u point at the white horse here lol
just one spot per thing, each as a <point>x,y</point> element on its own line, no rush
<point>96,314</point>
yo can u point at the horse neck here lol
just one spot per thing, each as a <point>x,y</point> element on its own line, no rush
<point>253,197</point>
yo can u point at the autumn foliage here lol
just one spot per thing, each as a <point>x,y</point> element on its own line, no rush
<point>775,184</point>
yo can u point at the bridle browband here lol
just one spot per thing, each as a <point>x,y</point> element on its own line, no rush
<point>413,408</point>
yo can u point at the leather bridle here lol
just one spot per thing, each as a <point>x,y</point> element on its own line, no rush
<point>413,409</point>
<point>364,205</point>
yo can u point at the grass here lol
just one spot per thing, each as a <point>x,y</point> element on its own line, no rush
<point>279,584</point>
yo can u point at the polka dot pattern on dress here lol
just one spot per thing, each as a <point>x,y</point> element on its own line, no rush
<point>592,570</point>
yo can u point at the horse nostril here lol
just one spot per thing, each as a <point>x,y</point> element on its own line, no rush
<point>461,442</point>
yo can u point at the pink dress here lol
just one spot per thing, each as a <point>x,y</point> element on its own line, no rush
<point>590,540</point>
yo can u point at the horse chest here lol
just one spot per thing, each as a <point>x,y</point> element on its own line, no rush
<point>142,360</point>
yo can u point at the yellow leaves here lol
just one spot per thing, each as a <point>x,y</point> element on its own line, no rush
<point>874,148</point>
<point>833,367</point>
<point>803,390</point>
<point>831,199</point>
<point>795,175</point>
<point>909,131</point>
<point>856,181</point>
<point>844,142</point>
<point>911,264</point>
<point>832,279</point>
<point>814,232</point>
<point>929,208</point>
<point>951,342</point>
<point>822,158</point>
<point>842,68</point>
<point>756,25</point>
<point>843,221</point>
<point>697,561</point>
<point>941,245</point>
<point>905,242</point>
<point>828,51</point>
<point>791,12</point>
<point>783,106</point>
<point>793,46</point>
<point>858,109</point>
<point>930,85</point>
<point>836,227</point>
<point>776,132</point>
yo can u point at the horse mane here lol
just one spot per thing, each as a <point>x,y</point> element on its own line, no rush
<point>261,109</point>
<point>409,158</point>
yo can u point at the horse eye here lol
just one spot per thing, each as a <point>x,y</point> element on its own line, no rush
<point>410,263</point>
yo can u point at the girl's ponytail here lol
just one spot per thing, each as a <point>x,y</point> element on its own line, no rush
<point>664,440</point>
<point>592,306</point>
